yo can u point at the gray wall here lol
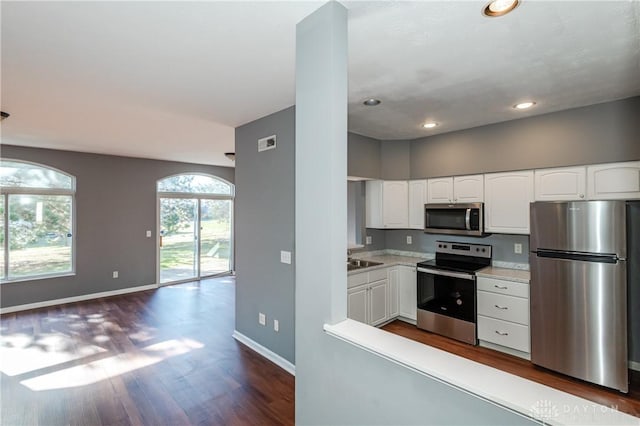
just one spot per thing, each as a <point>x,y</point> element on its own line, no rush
<point>395,159</point>
<point>363,155</point>
<point>115,205</point>
<point>264,216</point>
<point>600,133</point>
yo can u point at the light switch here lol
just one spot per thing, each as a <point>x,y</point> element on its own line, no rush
<point>148,234</point>
<point>285,257</point>
<point>368,240</point>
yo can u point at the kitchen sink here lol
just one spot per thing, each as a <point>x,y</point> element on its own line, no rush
<point>359,264</point>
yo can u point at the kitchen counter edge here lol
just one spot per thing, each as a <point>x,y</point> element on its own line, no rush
<point>516,275</point>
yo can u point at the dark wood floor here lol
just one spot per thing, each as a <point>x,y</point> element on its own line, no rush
<point>629,403</point>
<point>160,357</point>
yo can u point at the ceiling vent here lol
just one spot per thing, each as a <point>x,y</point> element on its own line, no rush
<point>267,143</point>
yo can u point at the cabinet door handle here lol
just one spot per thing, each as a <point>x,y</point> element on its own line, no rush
<point>501,287</point>
<point>501,307</point>
<point>501,333</point>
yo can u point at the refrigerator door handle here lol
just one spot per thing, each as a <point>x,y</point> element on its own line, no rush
<point>579,256</point>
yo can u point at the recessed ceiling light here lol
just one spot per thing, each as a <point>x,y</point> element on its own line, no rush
<point>230,155</point>
<point>430,125</point>
<point>372,102</point>
<point>524,105</point>
<point>500,7</point>
<point>3,115</point>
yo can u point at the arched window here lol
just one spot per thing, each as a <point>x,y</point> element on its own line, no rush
<point>195,184</point>
<point>196,227</point>
<point>36,230</point>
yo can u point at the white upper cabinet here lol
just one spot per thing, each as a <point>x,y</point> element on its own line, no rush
<point>373,201</point>
<point>440,190</point>
<point>395,206</point>
<point>614,181</point>
<point>417,200</point>
<point>507,198</point>
<point>459,189</point>
<point>562,184</point>
<point>468,189</point>
<point>387,204</point>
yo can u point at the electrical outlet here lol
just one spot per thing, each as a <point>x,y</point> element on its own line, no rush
<point>262,319</point>
<point>409,239</point>
<point>276,325</point>
<point>115,274</point>
<point>148,234</point>
<point>517,248</point>
<point>368,239</point>
<point>285,257</point>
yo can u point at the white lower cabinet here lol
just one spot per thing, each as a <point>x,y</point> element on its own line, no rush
<point>503,315</point>
<point>408,293</point>
<point>357,304</point>
<point>402,293</point>
<point>367,297</point>
<point>378,312</point>
<point>504,333</point>
<point>383,294</point>
<point>393,277</point>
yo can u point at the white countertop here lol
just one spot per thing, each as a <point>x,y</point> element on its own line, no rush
<point>517,275</point>
<point>528,398</point>
<point>387,261</point>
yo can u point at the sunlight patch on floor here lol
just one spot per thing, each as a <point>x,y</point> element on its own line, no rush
<point>21,353</point>
<point>95,371</point>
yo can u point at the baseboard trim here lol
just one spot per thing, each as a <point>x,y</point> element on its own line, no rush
<point>633,365</point>
<point>267,353</point>
<point>74,299</point>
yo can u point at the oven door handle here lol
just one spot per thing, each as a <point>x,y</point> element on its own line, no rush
<point>447,273</point>
<point>467,219</point>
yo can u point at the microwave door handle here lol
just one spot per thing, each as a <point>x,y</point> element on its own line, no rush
<point>467,219</point>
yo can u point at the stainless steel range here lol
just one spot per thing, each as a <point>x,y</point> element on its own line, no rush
<point>447,289</point>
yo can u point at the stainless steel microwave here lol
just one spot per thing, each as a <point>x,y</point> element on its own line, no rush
<point>454,219</point>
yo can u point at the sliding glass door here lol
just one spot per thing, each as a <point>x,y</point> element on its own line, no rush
<point>215,236</point>
<point>178,239</point>
<point>195,228</point>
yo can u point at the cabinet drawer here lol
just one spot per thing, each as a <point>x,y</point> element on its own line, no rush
<point>378,274</point>
<point>510,288</point>
<point>356,280</point>
<point>502,307</point>
<point>504,333</point>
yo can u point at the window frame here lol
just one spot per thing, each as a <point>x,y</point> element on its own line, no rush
<point>16,190</point>
<point>196,196</point>
<point>212,195</point>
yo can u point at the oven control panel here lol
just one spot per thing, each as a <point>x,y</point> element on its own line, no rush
<point>464,249</point>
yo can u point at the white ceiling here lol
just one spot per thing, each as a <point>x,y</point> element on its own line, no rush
<point>171,80</point>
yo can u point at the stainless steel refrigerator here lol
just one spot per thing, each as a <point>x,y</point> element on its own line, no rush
<point>578,290</point>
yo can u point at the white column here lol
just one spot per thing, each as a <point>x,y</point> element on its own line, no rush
<point>321,183</point>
